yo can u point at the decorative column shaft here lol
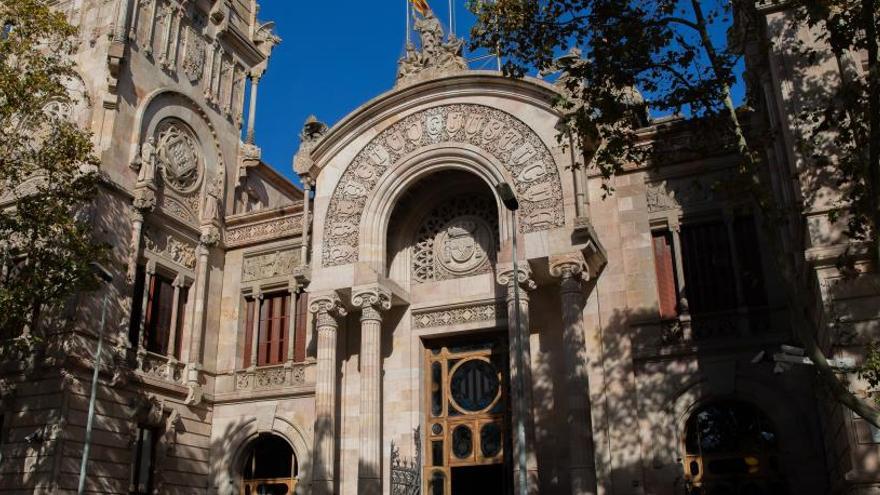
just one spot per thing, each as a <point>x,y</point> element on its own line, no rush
<point>521,406</point>
<point>582,470</point>
<point>293,289</point>
<point>327,308</point>
<point>307,224</point>
<point>252,110</point>
<point>209,238</point>
<point>371,301</point>
<point>175,304</point>
<point>120,28</point>
<point>255,331</point>
<point>137,225</point>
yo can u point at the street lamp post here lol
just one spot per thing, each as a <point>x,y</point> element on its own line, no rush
<point>508,198</point>
<point>106,277</point>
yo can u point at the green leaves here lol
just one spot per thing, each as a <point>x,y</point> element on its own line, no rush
<point>48,176</point>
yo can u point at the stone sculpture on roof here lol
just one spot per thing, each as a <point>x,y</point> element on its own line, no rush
<point>435,57</point>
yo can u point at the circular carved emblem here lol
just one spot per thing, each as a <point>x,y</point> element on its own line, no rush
<point>463,245</point>
<point>179,156</point>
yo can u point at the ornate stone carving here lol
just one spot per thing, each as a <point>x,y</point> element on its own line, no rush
<point>481,312</point>
<point>211,211</point>
<point>263,266</point>
<point>179,156</point>
<point>436,56</point>
<point>457,238</point>
<point>194,56</point>
<point>669,195</point>
<point>288,375</point>
<point>262,231</point>
<point>526,159</point>
<point>312,132</point>
<point>524,277</point>
<point>171,248</point>
<point>371,300</point>
<point>326,306</point>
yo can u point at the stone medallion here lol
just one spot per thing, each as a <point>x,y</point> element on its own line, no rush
<point>462,246</point>
<point>179,156</point>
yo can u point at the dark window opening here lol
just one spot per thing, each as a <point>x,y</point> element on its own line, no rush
<point>143,461</point>
<point>708,268</point>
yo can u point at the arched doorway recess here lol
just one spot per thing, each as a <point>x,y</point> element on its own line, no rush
<point>270,467</point>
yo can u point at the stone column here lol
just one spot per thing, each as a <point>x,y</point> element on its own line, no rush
<point>252,110</point>
<point>371,301</point>
<point>137,225</point>
<point>306,223</point>
<point>293,289</point>
<point>255,330</point>
<point>521,408</point>
<point>209,238</point>
<point>571,271</point>
<point>141,350</point>
<point>120,26</point>
<point>327,308</point>
<point>179,282</point>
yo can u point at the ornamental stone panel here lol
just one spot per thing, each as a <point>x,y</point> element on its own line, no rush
<point>525,157</point>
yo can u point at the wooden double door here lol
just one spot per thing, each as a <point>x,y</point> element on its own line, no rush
<point>467,419</point>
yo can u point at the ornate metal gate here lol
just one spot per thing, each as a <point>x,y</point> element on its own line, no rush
<point>406,473</point>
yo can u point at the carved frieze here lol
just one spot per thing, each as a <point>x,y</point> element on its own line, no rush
<point>265,230</point>
<point>269,265</point>
<point>170,247</point>
<point>669,195</point>
<point>508,140</point>
<point>488,311</point>
<point>289,375</point>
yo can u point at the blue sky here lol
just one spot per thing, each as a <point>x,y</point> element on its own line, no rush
<point>334,57</point>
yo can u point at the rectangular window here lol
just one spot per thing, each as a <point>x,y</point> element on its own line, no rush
<point>143,458</point>
<point>708,269</point>
<point>664,265</point>
<point>751,272</point>
<point>272,339</point>
<point>157,314</point>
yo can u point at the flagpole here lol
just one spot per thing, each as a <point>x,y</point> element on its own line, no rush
<point>406,5</point>
<point>451,18</point>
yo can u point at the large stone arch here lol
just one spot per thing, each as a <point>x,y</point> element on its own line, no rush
<point>163,106</point>
<point>230,457</point>
<point>490,142</point>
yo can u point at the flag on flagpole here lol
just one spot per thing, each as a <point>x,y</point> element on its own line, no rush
<point>421,6</point>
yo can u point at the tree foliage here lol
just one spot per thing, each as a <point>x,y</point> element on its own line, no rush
<point>48,173</point>
<point>671,50</point>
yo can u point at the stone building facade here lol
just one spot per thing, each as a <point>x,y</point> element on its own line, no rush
<point>360,335</point>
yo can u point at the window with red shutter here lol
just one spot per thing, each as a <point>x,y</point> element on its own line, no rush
<point>272,330</point>
<point>664,265</point>
<point>158,317</point>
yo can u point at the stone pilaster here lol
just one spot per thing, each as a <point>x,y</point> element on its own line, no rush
<point>327,308</point>
<point>371,301</point>
<point>521,407</point>
<point>209,238</point>
<point>572,272</point>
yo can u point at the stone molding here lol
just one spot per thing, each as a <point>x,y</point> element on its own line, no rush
<point>525,158</point>
<point>485,311</point>
<point>264,230</point>
<point>270,265</point>
<point>269,377</point>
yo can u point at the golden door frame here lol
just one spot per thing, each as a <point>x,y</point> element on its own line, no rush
<point>442,422</point>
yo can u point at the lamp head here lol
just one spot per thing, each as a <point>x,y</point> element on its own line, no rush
<point>505,192</point>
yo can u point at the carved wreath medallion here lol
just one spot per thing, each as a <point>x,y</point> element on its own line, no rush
<point>180,159</point>
<point>508,140</point>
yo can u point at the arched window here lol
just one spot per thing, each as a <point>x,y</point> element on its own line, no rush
<point>731,448</point>
<point>270,468</point>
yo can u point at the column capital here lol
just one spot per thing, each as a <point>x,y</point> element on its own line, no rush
<point>371,300</point>
<point>505,275</point>
<point>327,303</point>
<point>569,266</point>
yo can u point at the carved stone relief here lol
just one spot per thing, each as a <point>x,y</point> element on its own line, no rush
<point>194,56</point>
<point>456,239</point>
<point>525,157</point>
<point>179,155</point>
<point>480,312</point>
<point>265,230</point>
<point>269,265</point>
<point>669,195</point>
<point>170,247</point>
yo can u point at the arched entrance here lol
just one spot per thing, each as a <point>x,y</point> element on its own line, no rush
<point>270,467</point>
<point>731,448</point>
